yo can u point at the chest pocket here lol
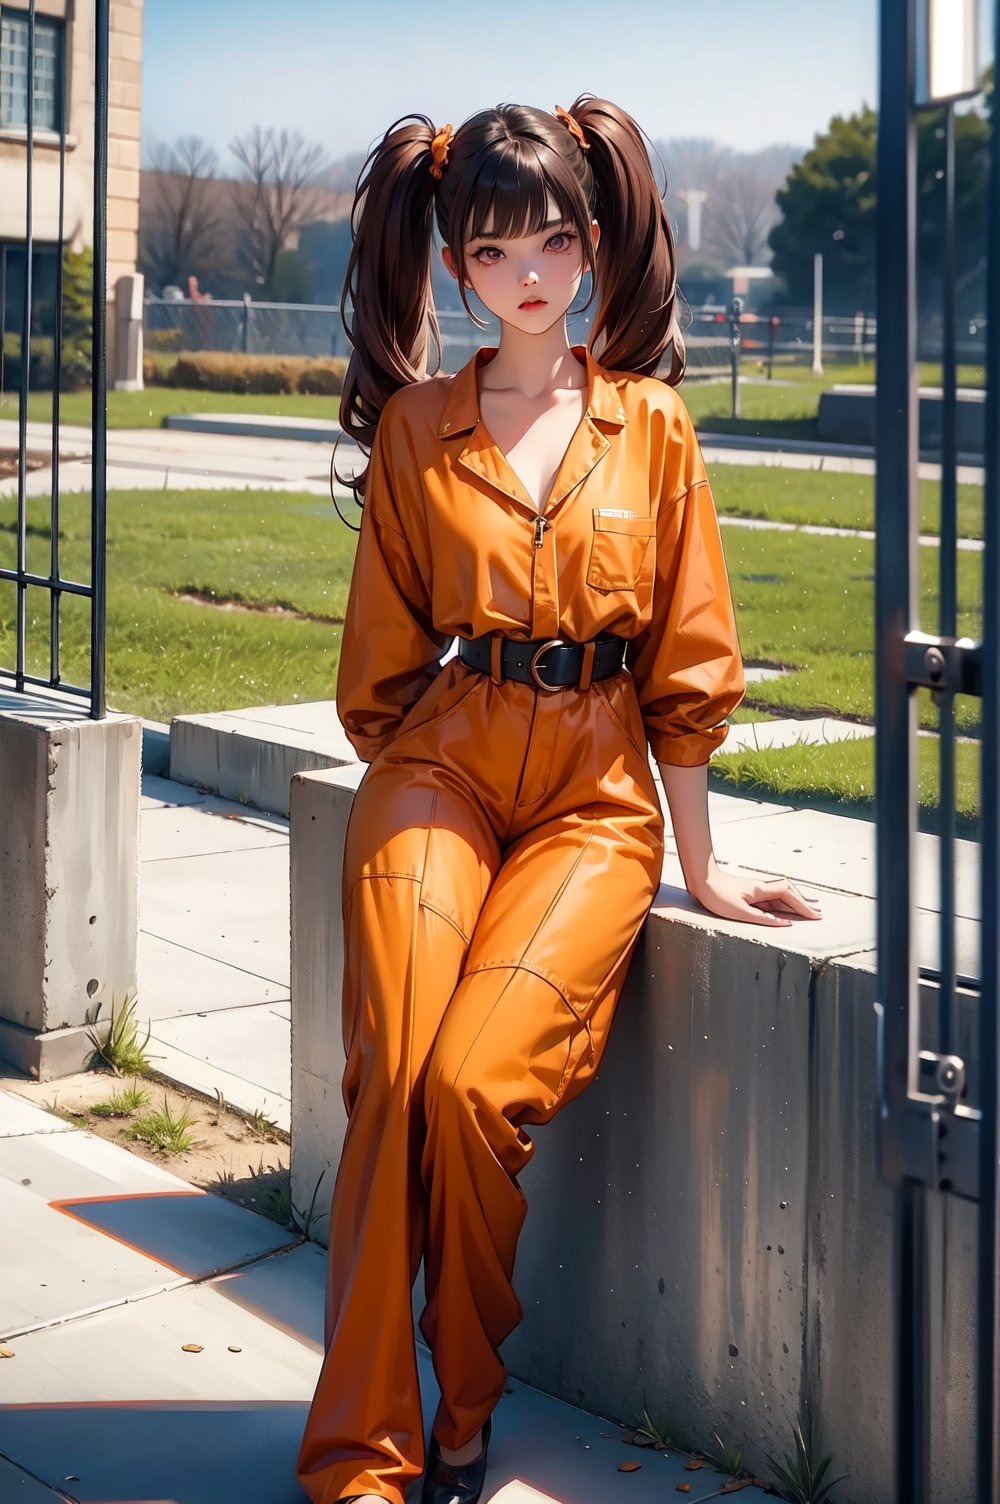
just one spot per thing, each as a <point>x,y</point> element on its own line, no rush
<point>622,553</point>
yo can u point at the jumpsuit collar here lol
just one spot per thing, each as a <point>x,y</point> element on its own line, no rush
<point>481,456</point>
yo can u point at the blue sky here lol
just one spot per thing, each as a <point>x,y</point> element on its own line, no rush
<point>747,73</point>
<point>743,74</point>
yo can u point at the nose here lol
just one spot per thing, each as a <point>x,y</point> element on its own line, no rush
<point>529,278</point>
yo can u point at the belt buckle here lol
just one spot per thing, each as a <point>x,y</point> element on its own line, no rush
<point>553,642</point>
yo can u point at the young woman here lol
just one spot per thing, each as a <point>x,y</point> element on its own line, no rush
<point>551,511</point>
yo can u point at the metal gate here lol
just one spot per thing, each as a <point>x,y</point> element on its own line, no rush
<point>22,36</point>
<point>931,1139</point>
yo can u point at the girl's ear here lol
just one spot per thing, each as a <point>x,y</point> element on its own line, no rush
<point>449,262</point>
<point>595,231</point>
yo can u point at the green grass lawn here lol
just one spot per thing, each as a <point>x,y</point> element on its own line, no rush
<point>787,407</point>
<point>804,601</point>
<point>166,656</point>
<point>840,776</point>
<point>808,602</point>
<point>829,498</point>
<point>148,408</point>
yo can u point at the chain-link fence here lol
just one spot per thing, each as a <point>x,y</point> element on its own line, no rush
<point>774,340</point>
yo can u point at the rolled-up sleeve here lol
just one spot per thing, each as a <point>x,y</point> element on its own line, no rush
<point>687,665</point>
<point>390,650</point>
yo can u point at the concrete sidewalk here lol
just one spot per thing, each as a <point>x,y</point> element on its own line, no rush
<point>160,1344</point>
<point>215,449</point>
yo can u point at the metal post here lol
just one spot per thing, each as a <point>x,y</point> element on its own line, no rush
<point>21,621</point>
<point>947,593</point>
<point>817,364</point>
<point>895,732</point>
<point>55,598</point>
<point>99,472</point>
<point>988,1240</point>
<point>735,310</point>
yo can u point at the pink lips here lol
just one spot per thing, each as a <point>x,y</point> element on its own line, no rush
<point>533,303</point>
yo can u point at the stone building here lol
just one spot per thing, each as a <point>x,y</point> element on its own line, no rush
<point>64,93</point>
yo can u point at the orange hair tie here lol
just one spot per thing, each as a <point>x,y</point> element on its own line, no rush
<point>572,126</point>
<point>439,150</point>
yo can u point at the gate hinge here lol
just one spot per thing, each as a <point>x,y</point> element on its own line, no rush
<point>941,1134</point>
<point>945,665</point>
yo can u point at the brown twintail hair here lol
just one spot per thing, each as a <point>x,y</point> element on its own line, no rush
<point>501,165</point>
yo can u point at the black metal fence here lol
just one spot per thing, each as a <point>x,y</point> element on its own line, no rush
<point>20,266</point>
<point>933,1140</point>
<point>315,329</point>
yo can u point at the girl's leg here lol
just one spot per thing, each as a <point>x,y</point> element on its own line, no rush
<point>418,863</point>
<point>523,1034</point>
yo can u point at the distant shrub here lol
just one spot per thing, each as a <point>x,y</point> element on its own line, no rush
<point>323,378</point>
<point>218,371</point>
<point>165,339</point>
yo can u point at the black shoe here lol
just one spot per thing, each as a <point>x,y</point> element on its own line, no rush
<point>445,1484</point>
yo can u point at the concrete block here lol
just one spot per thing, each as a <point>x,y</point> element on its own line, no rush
<point>69,877</point>
<point>155,748</point>
<point>848,1344</point>
<point>847,415</point>
<point>257,426</point>
<point>253,754</point>
<point>320,808</point>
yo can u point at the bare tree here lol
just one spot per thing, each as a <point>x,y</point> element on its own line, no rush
<point>276,195</point>
<point>178,213</point>
<point>744,211</point>
<point>739,206</point>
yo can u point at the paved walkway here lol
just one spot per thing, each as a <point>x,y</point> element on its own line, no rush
<point>161,1344</point>
<point>175,459</point>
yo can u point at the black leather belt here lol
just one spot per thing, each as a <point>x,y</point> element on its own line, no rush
<point>547,663</point>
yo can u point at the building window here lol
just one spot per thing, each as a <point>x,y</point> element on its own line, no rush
<point>14,71</point>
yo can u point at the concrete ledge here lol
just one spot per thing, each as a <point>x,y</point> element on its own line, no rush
<point>253,754</point>
<point>69,876</point>
<point>707,1235</point>
<point>256,426</point>
<point>155,748</point>
<point>847,415</point>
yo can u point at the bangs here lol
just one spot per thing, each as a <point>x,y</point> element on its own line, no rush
<point>509,197</point>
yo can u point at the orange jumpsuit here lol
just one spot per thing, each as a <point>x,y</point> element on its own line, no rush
<point>503,851</point>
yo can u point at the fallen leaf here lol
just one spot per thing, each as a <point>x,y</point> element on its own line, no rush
<point>6,1352</point>
<point>735,1486</point>
<point>192,1347</point>
<point>692,1467</point>
<point>683,1488</point>
<point>628,1467</point>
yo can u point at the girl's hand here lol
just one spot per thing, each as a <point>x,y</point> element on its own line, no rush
<point>755,899</point>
